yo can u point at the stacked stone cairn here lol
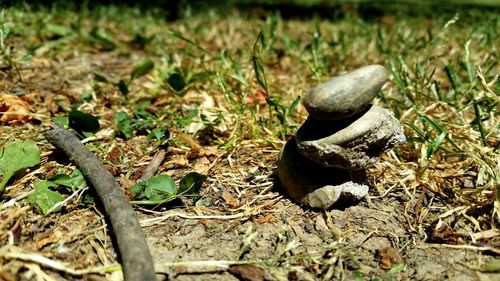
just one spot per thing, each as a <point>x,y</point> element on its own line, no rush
<point>343,134</point>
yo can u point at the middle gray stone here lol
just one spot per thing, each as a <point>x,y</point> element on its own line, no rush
<point>352,143</point>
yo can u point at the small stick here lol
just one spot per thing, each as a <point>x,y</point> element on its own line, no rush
<point>153,165</point>
<point>132,245</point>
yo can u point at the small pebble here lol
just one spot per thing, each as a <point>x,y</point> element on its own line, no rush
<point>326,196</point>
<point>345,95</point>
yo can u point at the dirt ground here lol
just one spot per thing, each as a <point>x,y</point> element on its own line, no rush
<point>358,241</point>
<point>291,242</point>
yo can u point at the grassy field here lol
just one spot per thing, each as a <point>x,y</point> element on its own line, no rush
<point>223,88</point>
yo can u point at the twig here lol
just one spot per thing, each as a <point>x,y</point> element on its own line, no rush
<point>69,198</point>
<point>41,260</point>
<point>466,247</point>
<point>135,255</point>
<point>161,267</point>
<point>157,220</point>
<point>487,234</point>
<point>12,202</point>
<point>153,165</point>
<point>203,266</point>
<point>170,214</point>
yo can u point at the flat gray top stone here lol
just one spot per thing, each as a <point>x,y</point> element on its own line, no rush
<point>345,95</point>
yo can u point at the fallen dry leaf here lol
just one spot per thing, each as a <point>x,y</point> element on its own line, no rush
<point>204,221</point>
<point>14,110</point>
<point>126,185</point>
<point>202,166</point>
<point>114,155</point>
<point>49,237</point>
<point>257,98</point>
<point>176,161</point>
<point>230,200</point>
<point>196,148</point>
<point>264,219</point>
<point>247,272</point>
<point>388,256</point>
<point>6,276</point>
<point>444,234</point>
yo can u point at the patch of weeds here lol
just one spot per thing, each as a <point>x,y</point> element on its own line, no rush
<point>161,189</point>
<point>141,39</point>
<point>443,87</point>
<point>142,68</point>
<point>140,122</point>
<point>448,108</point>
<point>101,38</point>
<point>8,56</point>
<point>47,198</point>
<point>180,80</point>
<point>276,110</point>
<point>320,62</point>
<point>250,235</point>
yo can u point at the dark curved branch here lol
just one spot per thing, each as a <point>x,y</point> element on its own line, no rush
<point>132,245</point>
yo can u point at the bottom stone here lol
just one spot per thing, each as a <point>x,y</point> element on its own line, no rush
<point>314,185</point>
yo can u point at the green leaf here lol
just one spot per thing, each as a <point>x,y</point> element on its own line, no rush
<point>86,95</point>
<point>201,77</point>
<point>397,268</point>
<point>292,107</point>
<point>83,122</point>
<point>191,183</point>
<point>436,142</point>
<point>124,124</point>
<point>142,68</point>
<point>43,199</point>
<point>140,40</point>
<point>73,181</point>
<point>100,77</point>
<point>157,134</point>
<point>58,30</point>
<point>477,120</point>
<point>159,187</point>
<point>62,121</point>
<point>143,120</point>
<point>204,202</point>
<point>15,157</point>
<point>492,266</point>
<point>100,36</point>
<point>162,137</point>
<point>182,37</point>
<point>138,189</point>
<point>176,81</point>
<point>257,62</point>
<point>122,86</point>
